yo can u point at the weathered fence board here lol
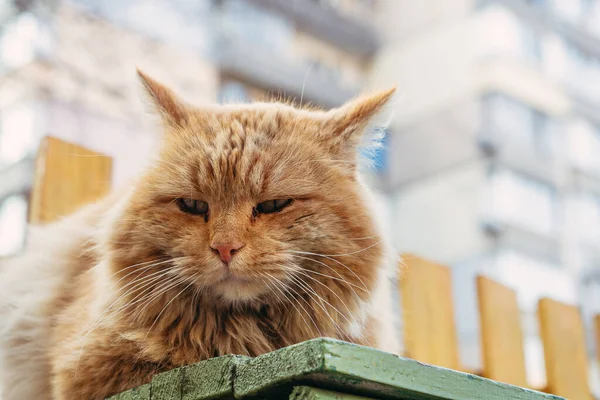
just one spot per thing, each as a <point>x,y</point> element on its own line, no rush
<point>428,310</point>
<point>501,333</point>
<point>564,349</point>
<point>597,330</point>
<point>67,177</point>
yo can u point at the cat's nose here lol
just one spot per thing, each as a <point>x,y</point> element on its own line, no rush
<point>227,249</point>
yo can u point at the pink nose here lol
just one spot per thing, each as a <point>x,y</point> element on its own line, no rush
<point>226,250</point>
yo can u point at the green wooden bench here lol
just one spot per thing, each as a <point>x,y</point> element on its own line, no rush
<point>323,369</point>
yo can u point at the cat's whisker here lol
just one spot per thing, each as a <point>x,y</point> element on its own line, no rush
<point>193,305</point>
<point>160,313</point>
<point>93,327</point>
<point>111,305</point>
<point>291,301</point>
<point>341,279</point>
<point>143,283</point>
<point>364,237</point>
<point>351,253</point>
<point>334,161</point>
<point>107,309</point>
<point>152,296</point>
<point>146,297</point>
<point>303,272</point>
<point>136,265</point>
<point>294,293</point>
<point>139,270</point>
<point>338,327</point>
<point>275,281</point>
<point>332,259</point>
<point>280,300</point>
<point>317,299</point>
<point>148,285</point>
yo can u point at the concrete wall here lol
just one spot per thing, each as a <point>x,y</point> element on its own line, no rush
<point>444,140</point>
<point>399,19</point>
<point>439,217</point>
<point>449,63</point>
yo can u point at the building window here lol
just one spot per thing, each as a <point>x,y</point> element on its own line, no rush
<point>180,22</point>
<point>13,224</point>
<point>22,39</point>
<point>582,74</point>
<point>259,27</point>
<point>591,12</point>
<point>587,208</point>
<point>509,123</point>
<point>518,200</point>
<point>567,10</point>
<point>584,145</point>
<point>19,135</point>
<point>502,34</point>
<point>537,3</point>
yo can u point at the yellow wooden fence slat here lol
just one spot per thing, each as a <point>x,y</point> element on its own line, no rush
<point>501,333</point>
<point>597,328</point>
<point>563,337</point>
<point>67,176</point>
<point>428,309</point>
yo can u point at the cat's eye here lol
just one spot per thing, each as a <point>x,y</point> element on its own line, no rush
<point>271,206</point>
<point>191,206</point>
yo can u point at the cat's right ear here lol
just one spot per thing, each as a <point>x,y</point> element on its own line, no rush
<point>173,110</point>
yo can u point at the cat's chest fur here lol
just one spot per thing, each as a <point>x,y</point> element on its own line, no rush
<point>187,334</point>
<point>211,332</point>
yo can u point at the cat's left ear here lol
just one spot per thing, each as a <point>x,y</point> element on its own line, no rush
<point>349,122</point>
<point>171,108</point>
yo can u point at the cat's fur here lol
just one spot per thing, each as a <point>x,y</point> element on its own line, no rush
<point>129,286</point>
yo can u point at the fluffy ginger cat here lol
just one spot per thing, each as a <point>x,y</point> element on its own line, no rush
<point>251,231</point>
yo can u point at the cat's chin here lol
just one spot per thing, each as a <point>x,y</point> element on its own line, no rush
<point>237,290</point>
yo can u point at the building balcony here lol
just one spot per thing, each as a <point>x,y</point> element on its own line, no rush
<point>544,18</point>
<point>271,70</point>
<point>327,23</point>
<point>17,177</point>
<point>513,134</point>
<point>523,159</point>
<point>510,235</point>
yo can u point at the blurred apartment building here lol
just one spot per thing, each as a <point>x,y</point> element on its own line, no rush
<point>67,68</point>
<point>493,157</point>
<point>494,161</point>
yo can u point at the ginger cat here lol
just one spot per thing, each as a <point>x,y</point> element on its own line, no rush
<point>250,232</point>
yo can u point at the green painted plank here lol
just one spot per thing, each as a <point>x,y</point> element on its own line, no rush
<point>349,368</point>
<point>278,368</point>
<point>311,393</point>
<point>210,379</point>
<point>206,380</point>
<point>168,385</point>
<point>138,393</point>
<point>141,393</point>
<point>128,395</point>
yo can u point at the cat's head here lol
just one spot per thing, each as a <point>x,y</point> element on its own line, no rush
<point>256,202</point>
